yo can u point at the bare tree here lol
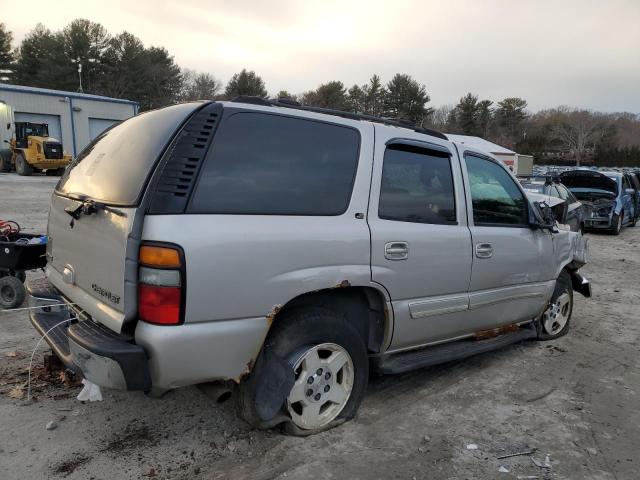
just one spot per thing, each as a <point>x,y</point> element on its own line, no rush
<point>576,130</point>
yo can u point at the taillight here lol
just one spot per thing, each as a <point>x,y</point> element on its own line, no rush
<point>161,284</point>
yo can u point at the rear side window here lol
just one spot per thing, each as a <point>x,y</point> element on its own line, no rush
<point>417,186</point>
<point>264,164</point>
<point>495,197</point>
<point>115,166</point>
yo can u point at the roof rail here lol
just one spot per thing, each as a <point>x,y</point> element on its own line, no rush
<point>291,103</point>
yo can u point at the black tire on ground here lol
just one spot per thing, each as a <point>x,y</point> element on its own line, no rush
<point>617,223</point>
<point>297,330</point>
<point>563,288</point>
<point>12,292</point>
<point>22,167</point>
<point>5,163</point>
<point>59,172</point>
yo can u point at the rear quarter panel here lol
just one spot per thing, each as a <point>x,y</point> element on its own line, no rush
<point>246,266</point>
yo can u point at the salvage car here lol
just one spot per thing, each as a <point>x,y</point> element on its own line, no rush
<point>292,250</point>
<point>607,195</point>
<point>546,185</point>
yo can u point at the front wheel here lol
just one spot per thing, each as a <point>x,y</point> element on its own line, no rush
<point>617,223</point>
<point>330,368</point>
<point>22,167</point>
<point>555,320</point>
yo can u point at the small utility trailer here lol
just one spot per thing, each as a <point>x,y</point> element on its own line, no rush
<point>18,252</point>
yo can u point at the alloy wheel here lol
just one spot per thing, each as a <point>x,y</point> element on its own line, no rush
<point>324,379</point>
<point>557,314</point>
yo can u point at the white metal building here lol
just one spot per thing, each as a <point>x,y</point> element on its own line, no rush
<point>520,164</point>
<point>73,118</point>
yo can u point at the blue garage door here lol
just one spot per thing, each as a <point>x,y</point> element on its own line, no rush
<point>99,125</point>
<point>52,120</point>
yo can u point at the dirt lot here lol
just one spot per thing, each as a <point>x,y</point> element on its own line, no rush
<point>575,399</point>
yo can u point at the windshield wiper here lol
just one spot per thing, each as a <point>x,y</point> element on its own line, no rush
<point>88,206</point>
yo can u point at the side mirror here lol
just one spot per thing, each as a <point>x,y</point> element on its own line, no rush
<point>544,217</point>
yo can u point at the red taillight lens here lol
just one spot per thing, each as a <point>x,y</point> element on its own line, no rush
<point>161,284</point>
<point>159,305</point>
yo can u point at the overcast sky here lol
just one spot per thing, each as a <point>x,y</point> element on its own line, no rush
<point>583,53</point>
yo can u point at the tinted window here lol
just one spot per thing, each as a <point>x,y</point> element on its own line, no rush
<point>495,197</point>
<point>115,166</point>
<point>417,186</point>
<point>265,164</point>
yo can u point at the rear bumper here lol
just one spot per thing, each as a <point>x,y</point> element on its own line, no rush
<point>159,356</point>
<point>100,355</point>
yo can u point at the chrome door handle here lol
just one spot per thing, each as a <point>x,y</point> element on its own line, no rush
<point>396,250</point>
<point>484,250</point>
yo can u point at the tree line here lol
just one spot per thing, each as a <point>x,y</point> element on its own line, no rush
<point>122,66</point>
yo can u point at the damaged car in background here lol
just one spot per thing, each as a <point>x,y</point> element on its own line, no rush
<point>608,197</point>
<point>289,251</point>
<point>546,185</point>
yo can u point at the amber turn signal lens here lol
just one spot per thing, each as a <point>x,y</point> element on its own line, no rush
<point>159,256</point>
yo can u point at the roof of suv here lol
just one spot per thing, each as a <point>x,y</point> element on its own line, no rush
<point>292,104</point>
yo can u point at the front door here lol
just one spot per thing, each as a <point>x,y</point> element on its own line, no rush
<point>420,242</point>
<point>513,271</point>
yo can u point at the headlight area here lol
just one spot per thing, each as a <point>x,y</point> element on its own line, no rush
<point>605,211</point>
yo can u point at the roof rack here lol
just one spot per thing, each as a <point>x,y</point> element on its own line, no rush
<point>291,103</point>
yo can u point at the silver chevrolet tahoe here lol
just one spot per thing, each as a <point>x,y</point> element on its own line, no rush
<point>290,251</point>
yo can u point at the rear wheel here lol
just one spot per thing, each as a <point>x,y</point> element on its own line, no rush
<point>5,163</point>
<point>12,292</point>
<point>555,320</point>
<point>330,368</point>
<point>22,167</point>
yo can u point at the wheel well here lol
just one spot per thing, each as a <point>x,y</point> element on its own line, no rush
<point>364,307</point>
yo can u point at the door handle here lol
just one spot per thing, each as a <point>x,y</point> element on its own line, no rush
<point>484,250</point>
<point>396,250</point>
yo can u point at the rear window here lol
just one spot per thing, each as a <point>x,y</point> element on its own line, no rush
<point>114,167</point>
<point>265,164</point>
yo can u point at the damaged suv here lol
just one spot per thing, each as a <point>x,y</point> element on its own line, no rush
<point>608,197</point>
<point>291,250</point>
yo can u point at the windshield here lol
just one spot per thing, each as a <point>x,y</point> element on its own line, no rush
<point>114,167</point>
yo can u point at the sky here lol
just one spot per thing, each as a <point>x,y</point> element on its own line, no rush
<point>580,53</point>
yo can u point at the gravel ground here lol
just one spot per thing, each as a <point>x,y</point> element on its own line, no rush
<point>574,399</point>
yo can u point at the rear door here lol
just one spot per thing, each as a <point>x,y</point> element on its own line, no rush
<point>513,264</point>
<point>92,259</point>
<point>420,243</point>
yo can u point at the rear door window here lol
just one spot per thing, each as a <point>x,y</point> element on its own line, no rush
<point>417,186</point>
<point>265,164</point>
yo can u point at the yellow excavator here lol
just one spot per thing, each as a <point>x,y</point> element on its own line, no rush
<point>33,150</point>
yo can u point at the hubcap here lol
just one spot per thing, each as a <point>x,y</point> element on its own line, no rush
<point>324,380</point>
<point>557,315</point>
